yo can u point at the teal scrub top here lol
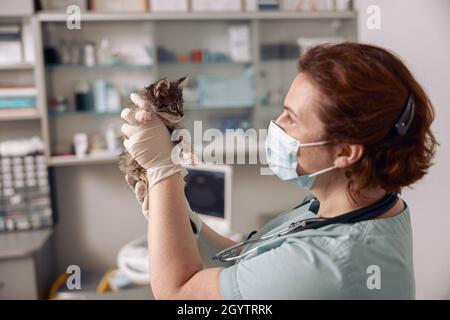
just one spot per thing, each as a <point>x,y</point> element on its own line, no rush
<point>365,260</point>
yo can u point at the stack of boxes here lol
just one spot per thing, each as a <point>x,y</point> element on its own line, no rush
<point>24,193</point>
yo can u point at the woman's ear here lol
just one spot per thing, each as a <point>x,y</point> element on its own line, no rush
<point>348,154</point>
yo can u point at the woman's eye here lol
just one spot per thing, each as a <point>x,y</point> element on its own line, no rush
<point>290,118</point>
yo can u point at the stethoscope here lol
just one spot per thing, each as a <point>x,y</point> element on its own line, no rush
<point>366,213</point>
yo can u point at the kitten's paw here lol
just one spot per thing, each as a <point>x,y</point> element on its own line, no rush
<point>140,189</point>
<point>131,182</point>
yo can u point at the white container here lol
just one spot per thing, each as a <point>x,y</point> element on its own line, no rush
<point>216,5</point>
<point>100,94</point>
<point>239,43</point>
<point>113,100</point>
<point>343,5</point>
<point>89,55</point>
<point>80,141</point>
<point>112,141</point>
<point>168,5</point>
<point>251,5</point>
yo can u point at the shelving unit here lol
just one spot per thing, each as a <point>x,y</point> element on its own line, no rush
<point>23,73</point>
<point>19,116</point>
<point>60,161</point>
<point>180,32</point>
<point>25,199</point>
<point>17,66</point>
<point>46,16</point>
<point>69,66</point>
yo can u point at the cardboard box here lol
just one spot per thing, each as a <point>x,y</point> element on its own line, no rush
<point>216,5</point>
<point>62,5</point>
<point>16,8</point>
<point>169,5</point>
<point>119,5</point>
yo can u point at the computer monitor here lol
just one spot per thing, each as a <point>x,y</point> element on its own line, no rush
<point>208,191</point>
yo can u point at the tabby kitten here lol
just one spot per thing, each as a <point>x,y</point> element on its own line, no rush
<point>164,98</point>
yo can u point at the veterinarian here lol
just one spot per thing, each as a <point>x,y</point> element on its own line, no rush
<point>354,131</point>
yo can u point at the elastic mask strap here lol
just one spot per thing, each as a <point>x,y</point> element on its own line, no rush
<point>312,144</point>
<point>322,171</point>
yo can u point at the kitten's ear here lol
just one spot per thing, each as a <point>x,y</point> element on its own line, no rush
<point>161,88</point>
<point>182,82</point>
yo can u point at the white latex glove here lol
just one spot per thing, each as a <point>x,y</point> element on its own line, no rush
<point>150,145</point>
<point>148,142</point>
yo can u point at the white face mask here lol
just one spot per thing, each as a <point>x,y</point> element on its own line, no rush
<point>281,152</point>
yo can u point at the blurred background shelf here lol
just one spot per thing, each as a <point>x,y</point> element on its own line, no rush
<point>96,67</point>
<point>17,66</point>
<point>246,60</point>
<point>18,115</point>
<point>194,107</point>
<point>83,113</point>
<point>94,16</point>
<point>72,160</point>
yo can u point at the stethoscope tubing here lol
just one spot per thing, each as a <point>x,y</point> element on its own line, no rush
<point>231,254</point>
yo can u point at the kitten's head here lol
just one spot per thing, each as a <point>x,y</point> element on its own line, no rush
<point>166,98</point>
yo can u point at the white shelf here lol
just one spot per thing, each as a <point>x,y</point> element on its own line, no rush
<point>71,160</point>
<point>17,116</point>
<point>82,113</point>
<point>98,66</point>
<point>47,16</point>
<point>221,108</point>
<point>17,66</point>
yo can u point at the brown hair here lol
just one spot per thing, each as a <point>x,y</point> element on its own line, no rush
<point>364,89</point>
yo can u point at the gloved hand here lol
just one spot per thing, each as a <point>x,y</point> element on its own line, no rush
<point>149,144</point>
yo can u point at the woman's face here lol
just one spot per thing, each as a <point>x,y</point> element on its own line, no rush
<point>299,120</point>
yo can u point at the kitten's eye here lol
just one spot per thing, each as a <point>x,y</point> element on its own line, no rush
<point>173,107</point>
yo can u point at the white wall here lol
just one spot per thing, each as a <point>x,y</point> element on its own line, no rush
<point>419,31</point>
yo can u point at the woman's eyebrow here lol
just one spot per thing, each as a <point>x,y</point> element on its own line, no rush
<point>290,111</point>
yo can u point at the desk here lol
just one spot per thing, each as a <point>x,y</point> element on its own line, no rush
<point>25,264</point>
<point>138,293</point>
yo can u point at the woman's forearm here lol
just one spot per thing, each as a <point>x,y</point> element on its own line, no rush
<point>173,254</point>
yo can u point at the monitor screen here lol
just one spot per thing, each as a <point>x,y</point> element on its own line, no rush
<point>205,192</point>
